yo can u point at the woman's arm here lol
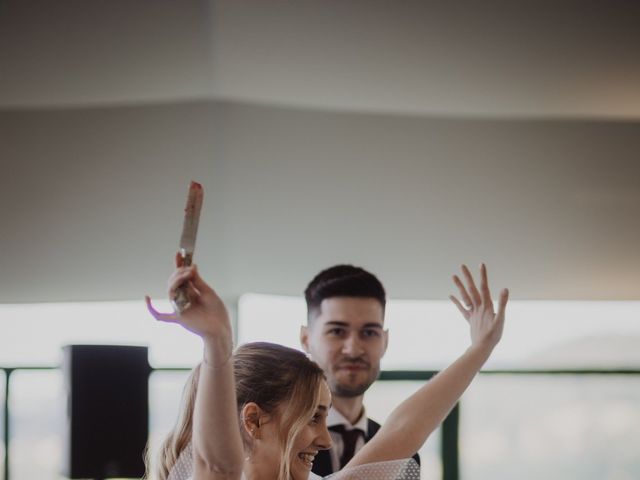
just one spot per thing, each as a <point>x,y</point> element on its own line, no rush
<point>217,445</point>
<point>409,425</point>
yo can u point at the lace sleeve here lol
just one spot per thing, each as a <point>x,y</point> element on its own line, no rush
<point>183,468</point>
<point>405,469</point>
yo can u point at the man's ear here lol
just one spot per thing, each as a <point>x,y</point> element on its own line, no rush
<point>385,334</point>
<point>304,337</point>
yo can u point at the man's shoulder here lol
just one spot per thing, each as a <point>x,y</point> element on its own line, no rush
<point>371,421</point>
<point>372,427</point>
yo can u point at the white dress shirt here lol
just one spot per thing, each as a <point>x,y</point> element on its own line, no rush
<point>337,446</point>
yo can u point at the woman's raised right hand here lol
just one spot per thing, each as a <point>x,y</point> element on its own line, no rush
<point>206,315</point>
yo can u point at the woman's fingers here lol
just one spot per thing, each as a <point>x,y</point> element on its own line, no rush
<point>198,282</point>
<point>502,304</point>
<point>475,295</point>
<point>463,291</point>
<point>163,317</point>
<point>463,310</point>
<point>484,285</point>
<point>485,325</point>
<point>177,278</point>
<point>198,291</point>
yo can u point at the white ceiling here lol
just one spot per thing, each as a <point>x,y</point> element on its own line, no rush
<point>495,58</point>
<point>461,58</point>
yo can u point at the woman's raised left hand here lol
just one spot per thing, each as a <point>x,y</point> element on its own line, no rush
<point>486,325</point>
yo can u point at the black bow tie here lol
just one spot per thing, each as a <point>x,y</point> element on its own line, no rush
<point>350,438</point>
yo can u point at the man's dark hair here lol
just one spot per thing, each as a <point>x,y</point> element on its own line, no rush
<point>342,281</point>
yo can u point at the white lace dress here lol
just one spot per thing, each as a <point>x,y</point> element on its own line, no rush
<point>405,469</point>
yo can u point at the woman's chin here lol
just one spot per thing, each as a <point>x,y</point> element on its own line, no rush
<point>300,468</point>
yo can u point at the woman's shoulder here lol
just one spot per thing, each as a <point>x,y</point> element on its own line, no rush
<point>403,469</point>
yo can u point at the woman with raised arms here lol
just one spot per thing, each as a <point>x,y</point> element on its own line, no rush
<point>259,413</point>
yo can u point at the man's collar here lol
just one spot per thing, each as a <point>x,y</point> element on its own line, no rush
<point>336,418</point>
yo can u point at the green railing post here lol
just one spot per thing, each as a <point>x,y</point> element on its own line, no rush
<point>7,375</point>
<point>449,445</point>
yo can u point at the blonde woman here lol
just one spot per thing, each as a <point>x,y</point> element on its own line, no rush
<point>260,413</point>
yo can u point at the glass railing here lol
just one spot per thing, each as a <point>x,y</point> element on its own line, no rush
<point>570,423</point>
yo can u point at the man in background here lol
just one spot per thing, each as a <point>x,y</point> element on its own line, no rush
<point>345,335</point>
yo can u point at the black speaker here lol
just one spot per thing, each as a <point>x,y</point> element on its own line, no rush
<point>107,411</point>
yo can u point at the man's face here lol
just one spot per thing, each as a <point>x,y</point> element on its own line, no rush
<point>347,339</point>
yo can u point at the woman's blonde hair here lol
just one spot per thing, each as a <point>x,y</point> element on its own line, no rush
<point>269,375</point>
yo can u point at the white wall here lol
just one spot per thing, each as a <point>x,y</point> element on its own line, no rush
<point>92,205</point>
<point>96,157</point>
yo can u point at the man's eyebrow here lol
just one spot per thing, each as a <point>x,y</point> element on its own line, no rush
<point>338,323</point>
<point>372,325</point>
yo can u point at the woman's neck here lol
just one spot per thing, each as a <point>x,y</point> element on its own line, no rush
<point>254,470</point>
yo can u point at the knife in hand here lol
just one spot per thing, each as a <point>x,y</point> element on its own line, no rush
<point>181,299</point>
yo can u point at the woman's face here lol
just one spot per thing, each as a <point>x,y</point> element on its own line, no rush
<point>313,437</point>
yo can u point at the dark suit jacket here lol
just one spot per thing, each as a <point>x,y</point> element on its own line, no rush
<point>322,462</point>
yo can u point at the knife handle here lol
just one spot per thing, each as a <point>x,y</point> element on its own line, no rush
<point>181,300</point>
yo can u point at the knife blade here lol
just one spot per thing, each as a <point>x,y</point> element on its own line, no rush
<point>181,300</point>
